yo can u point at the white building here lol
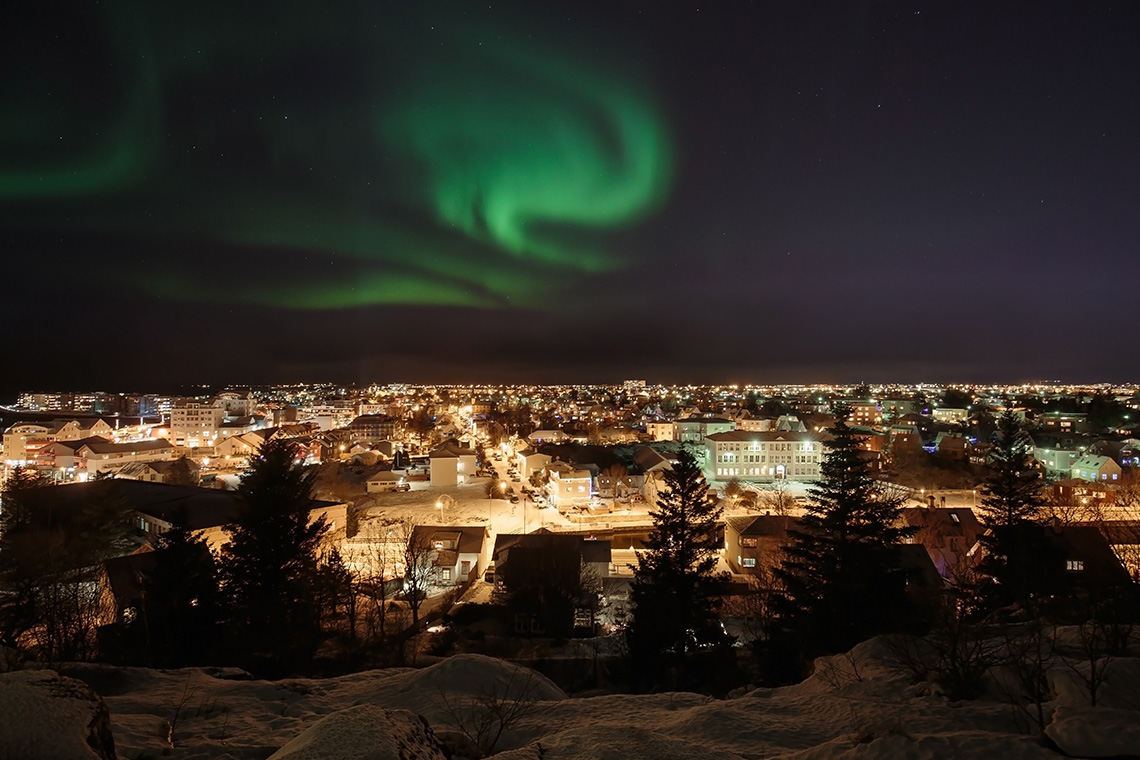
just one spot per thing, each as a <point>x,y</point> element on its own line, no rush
<point>568,484</point>
<point>950,415</point>
<point>1100,469</point>
<point>195,424</point>
<point>660,430</point>
<point>764,456</point>
<point>451,464</point>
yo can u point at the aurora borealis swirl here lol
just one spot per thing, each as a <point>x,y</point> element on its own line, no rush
<point>373,155</point>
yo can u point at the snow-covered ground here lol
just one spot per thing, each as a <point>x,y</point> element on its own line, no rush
<point>855,706</point>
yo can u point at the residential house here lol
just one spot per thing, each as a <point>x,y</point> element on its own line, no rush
<point>1056,460</point>
<point>1098,468</point>
<point>529,461</point>
<point>753,544</point>
<point>457,553</point>
<point>697,429</point>
<point>659,430</point>
<point>1088,557</point>
<point>1123,537</point>
<point>952,447</point>
<point>547,436</point>
<point>1064,422</point>
<point>947,533</point>
<point>540,573</point>
<point>651,465</point>
<point>569,484</point>
<point>387,481</point>
<point>156,472</point>
<point>1085,493</point>
<point>451,464</point>
<point>612,484</point>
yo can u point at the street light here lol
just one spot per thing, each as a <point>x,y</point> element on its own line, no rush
<point>442,503</point>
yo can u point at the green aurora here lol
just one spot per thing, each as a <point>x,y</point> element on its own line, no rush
<point>383,157</point>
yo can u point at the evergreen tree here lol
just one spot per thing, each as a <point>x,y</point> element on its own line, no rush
<point>1020,562</point>
<point>180,599</point>
<point>674,587</point>
<point>1011,492</point>
<point>840,579</point>
<point>183,473</point>
<point>269,566</point>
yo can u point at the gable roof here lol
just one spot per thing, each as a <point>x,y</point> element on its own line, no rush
<point>772,526</point>
<point>468,539</point>
<point>103,446</point>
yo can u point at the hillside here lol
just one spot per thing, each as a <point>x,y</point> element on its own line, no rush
<point>856,705</point>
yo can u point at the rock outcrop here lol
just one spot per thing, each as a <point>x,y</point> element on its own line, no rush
<point>46,715</point>
<point>365,732</point>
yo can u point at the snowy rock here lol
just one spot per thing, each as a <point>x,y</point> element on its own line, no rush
<point>1096,731</point>
<point>609,743</point>
<point>46,715</point>
<point>365,732</point>
<point>946,747</point>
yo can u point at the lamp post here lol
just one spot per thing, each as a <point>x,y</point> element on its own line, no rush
<point>442,503</point>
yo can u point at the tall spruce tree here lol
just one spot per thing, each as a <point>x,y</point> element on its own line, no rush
<point>269,567</point>
<point>1020,562</point>
<point>839,576</point>
<point>674,585</point>
<point>1011,492</point>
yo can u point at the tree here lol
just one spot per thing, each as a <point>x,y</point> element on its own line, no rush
<point>619,485</point>
<point>420,575</point>
<point>180,599</point>
<point>839,577</point>
<point>1011,492</point>
<point>1020,561</point>
<point>674,588</point>
<point>777,499</point>
<point>269,566</point>
<point>183,472</point>
<point>421,422</point>
<point>51,555</point>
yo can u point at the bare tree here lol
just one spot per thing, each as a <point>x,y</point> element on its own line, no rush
<point>420,572</point>
<point>617,475</point>
<point>1029,650</point>
<point>777,499</point>
<point>485,716</point>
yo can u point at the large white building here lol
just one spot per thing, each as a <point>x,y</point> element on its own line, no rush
<point>764,456</point>
<point>195,424</point>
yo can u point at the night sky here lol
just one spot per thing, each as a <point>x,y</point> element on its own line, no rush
<point>219,192</point>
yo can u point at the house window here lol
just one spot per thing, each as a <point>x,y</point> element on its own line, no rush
<point>1075,565</point>
<point>446,573</point>
<point>748,543</point>
<point>749,562</point>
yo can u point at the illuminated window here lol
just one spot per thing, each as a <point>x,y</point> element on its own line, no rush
<point>1075,565</point>
<point>749,562</point>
